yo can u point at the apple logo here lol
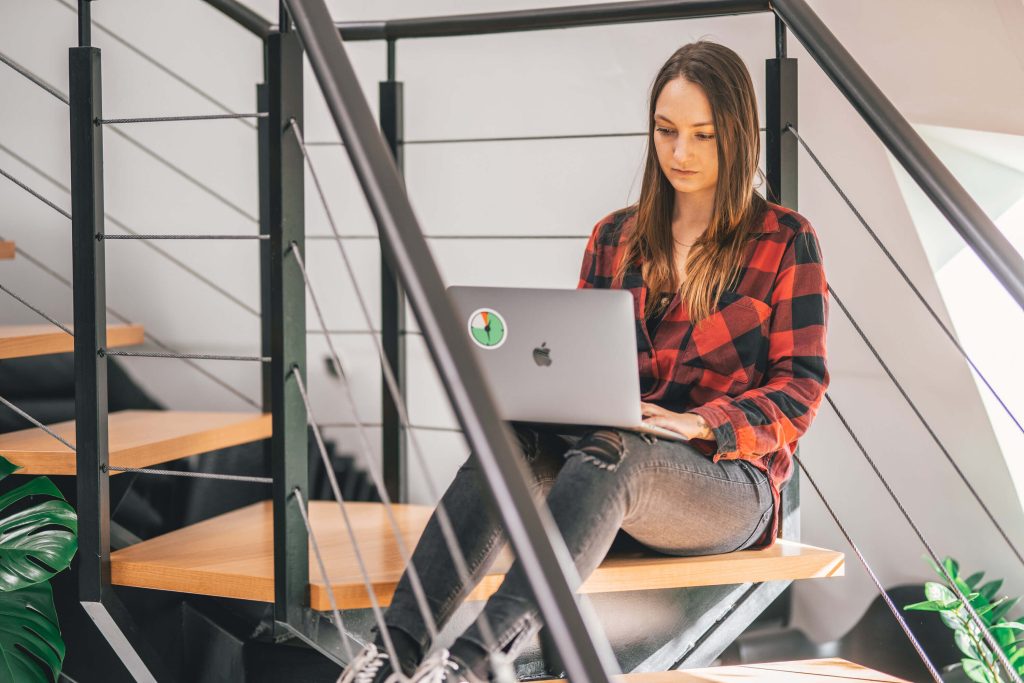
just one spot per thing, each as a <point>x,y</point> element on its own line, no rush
<point>542,355</point>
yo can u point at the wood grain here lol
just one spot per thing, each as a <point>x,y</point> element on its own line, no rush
<point>7,250</point>
<point>232,556</point>
<point>19,341</point>
<point>138,438</point>
<point>807,671</point>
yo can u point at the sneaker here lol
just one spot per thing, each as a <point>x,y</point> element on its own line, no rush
<point>370,666</point>
<point>441,667</point>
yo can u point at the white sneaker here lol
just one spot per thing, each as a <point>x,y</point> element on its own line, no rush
<point>369,666</point>
<point>440,667</point>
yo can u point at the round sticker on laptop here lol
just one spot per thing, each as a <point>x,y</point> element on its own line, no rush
<point>487,328</point>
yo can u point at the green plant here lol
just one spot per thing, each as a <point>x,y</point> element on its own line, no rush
<point>980,663</point>
<point>37,540</point>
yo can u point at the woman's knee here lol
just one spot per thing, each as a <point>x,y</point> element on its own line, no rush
<point>609,448</point>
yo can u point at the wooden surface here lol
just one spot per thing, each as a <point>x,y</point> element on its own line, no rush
<point>138,438</point>
<point>232,556</point>
<point>7,250</point>
<point>809,671</point>
<point>18,341</point>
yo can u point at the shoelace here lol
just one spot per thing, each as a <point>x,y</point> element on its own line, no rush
<point>365,666</point>
<point>435,668</point>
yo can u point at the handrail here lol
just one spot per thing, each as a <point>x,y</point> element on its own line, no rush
<point>546,18</point>
<point>249,19</point>
<point>948,195</point>
<point>924,167</point>
<point>538,545</point>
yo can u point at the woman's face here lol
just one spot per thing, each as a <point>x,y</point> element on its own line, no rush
<point>685,138</point>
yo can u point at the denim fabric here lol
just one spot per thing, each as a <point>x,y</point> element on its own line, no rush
<point>664,494</point>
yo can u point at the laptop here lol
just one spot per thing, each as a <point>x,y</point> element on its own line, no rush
<point>565,356</point>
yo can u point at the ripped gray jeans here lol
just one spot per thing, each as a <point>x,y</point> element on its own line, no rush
<point>664,494</point>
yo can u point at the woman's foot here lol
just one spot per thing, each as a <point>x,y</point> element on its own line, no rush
<point>370,666</point>
<point>443,667</point>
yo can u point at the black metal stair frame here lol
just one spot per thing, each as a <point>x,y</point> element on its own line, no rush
<point>408,270</point>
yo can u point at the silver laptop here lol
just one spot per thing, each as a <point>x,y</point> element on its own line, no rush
<point>565,356</point>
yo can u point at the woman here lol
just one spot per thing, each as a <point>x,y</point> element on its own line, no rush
<point>731,310</point>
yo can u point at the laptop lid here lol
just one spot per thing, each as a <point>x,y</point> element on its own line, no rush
<point>555,355</point>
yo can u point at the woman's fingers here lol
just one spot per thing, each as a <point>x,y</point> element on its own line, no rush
<point>651,409</point>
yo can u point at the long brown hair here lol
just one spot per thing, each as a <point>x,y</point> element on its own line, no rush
<point>716,257</point>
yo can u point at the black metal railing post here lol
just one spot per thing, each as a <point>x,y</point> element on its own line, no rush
<point>92,459</point>
<point>289,452</point>
<point>780,111</point>
<point>90,321</point>
<point>392,304</point>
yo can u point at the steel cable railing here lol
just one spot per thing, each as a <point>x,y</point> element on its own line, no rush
<point>906,278</point>
<point>540,550</point>
<point>23,254</point>
<point>931,432</point>
<point>145,56</point>
<point>163,253</point>
<point>392,387</point>
<point>874,576</point>
<point>371,592</point>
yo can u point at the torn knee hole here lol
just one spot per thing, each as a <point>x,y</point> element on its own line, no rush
<point>603,448</point>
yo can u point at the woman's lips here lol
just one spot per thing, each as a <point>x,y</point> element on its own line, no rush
<point>684,172</point>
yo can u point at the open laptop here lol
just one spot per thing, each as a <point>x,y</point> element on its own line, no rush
<point>565,356</point>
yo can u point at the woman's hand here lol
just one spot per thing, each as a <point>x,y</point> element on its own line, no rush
<point>688,425</point>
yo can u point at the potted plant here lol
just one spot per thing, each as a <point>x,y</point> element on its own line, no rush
<point>38,538</point>
<point>979,663</point>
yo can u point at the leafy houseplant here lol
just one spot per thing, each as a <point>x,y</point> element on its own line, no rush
<point>37,540</point>
<point>980,663</point>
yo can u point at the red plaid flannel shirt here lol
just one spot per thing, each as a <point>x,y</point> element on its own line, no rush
<point>756,369</point>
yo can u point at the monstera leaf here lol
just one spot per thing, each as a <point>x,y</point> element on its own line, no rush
<point>30,641</point>
<point>37,541</point>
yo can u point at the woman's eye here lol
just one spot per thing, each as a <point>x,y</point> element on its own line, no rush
<point>665,131</point>
<point>705,136</point>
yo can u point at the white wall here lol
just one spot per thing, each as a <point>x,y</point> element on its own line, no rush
<point>590,80</point>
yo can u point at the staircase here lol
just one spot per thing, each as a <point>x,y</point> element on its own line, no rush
<point>232,556</point>
<point>260,554</point>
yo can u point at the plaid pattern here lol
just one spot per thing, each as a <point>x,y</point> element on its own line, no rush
<point>755,370</point>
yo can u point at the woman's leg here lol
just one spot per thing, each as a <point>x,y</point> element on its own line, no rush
<point>480,537</point>
<point>665,494</point>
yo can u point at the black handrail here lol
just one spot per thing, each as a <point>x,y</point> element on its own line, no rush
<point>546,18</point>
<point>959,208</point>
<point>254,22</point>
<point>538,545</point>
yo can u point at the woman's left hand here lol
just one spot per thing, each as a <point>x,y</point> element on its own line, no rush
<point>689,425</point>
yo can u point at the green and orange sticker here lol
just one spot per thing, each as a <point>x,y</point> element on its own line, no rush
<point>487,328</point>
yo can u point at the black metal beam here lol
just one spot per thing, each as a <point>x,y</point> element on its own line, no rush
<point>285,217</point>
<point>392,306</point>
<point>245,17</point>
<point>546,18</point>
<point>780,110</point>
<point>920,162</point>
<point>89,293</point>
<point>533,533</point>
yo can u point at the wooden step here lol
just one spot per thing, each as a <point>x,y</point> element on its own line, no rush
<point>7,250</point>
<point>807,671</point>
<point>232,556</point>
<point>19,341</point>
<point>138,438</point>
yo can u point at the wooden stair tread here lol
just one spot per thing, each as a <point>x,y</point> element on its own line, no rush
<point>7,250</point>
<point>138,438</point>
<point>232,556</point>
<point>19,341</point>
<point>808,671</point>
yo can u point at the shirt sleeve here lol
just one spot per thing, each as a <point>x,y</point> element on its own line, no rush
<point>588,270</point>
<point>772,416</point>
